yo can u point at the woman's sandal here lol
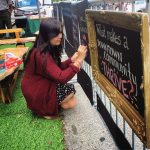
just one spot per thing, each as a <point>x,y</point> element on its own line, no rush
<point>51,117</point>
<point>48,117</point>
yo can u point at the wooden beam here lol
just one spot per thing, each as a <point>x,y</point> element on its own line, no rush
<point>18,40</point>
<point>11,30</point>
<point>17,34</point>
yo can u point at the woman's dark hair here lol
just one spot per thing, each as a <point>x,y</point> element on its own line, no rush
<point>49,28</point>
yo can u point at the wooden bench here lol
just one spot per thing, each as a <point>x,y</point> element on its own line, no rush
<point>17,39</point>
<point>9,77</point>
<point>17,31</point>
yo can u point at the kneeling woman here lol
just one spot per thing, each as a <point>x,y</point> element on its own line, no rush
<point>44,84</point>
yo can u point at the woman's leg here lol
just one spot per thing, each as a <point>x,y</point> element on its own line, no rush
<point>69,102</point>
<point>67,98</point>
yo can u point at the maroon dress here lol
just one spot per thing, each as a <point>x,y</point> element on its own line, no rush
<point>40,80</point>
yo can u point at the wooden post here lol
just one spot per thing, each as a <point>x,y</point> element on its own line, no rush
<point>2,94</point>
<point>17,34</point>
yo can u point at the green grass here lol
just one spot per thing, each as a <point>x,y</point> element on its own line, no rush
<point>7,46</point>
<point>29,44</point>
<point>20,130</point>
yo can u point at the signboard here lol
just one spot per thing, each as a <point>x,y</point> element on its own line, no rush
<point>120,57</point>
<point>68,27</point>
<point>55,7</point>
<point>75,25</point>
<point>120,61</point>
<point>81,7</point>
<point>74,21</point>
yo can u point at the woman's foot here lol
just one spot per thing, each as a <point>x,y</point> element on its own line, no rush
<point>71,103</point>
<point>48,117</point>
<point>51,117</point>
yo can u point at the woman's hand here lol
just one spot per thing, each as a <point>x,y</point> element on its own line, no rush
<point>74,57</point>
<point>81,55</point>
<point>82,50</point>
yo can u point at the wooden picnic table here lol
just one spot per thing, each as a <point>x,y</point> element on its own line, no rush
<point>9,77</point>
<point>19,52</point>
<point>18,40</point>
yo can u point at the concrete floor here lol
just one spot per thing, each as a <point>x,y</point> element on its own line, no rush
<point>84,127</point>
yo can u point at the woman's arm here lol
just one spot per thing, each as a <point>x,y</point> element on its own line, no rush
<point>67,62</point>
<point>61,76</point>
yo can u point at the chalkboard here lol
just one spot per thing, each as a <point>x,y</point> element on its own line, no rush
<point>67,17</point>
<point>82,6</point>
<point>75,22</point>
<point>75,26</point>
<point>66,11</point>
<point>120,61</point>
<point>55,10</point>
<point>60,11</point>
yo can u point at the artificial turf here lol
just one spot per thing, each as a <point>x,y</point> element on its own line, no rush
<point>21,130</point>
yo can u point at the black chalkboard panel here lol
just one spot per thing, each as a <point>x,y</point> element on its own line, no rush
<point>67,17</point>
<point>75,31</point>
<point>55,7</point>
<point>82,6</point>
<point>68,32</point>
<point>120,61</point>
<point>75,26</point>
<point>57,12</point>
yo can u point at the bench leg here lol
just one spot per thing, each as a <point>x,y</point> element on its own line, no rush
<point>2,94</point>
<point>13,82</point>
<point>6,90</point>
<point>5,94</point>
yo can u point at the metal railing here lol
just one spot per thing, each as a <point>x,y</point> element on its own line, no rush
<point>134,141</point>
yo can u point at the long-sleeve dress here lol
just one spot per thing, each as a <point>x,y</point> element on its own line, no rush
<point>40,80</point>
